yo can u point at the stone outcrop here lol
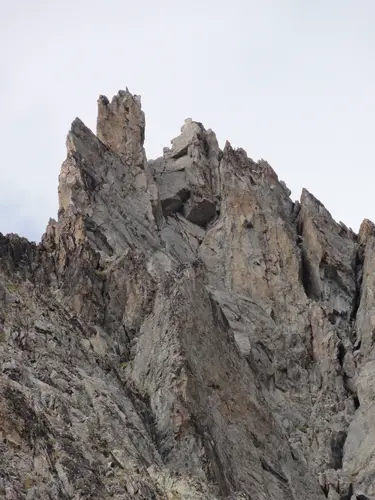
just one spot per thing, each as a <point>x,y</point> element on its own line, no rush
<point>184,330</point>
<point>188,174</point>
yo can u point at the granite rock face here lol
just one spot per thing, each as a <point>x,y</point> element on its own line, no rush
<point>184,330</point>
<point>188,174</point>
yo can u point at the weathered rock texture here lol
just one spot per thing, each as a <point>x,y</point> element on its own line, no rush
<point>185,331</point>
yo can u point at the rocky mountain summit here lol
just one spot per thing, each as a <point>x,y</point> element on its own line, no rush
<point>185,331</point>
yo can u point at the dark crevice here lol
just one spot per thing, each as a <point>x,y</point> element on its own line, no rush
<point>184,194</point>
<point>305,275</point>
<point>304,267</point>
<point>357,345</point>
<point>350,392</point>
<point>325,490</point>
<point>307,278</point>
<point>358,283</point>
<point>175,203</point>
<point>182,152</point>
<point>90,182</point>
<point>268,468</point>
<point>341,351</point>
<point>334,316</point>
<point>337,449</point>
<point>171,205</point>
<point>205,145</point>
<point>248,224</point>
<point>200,212</point>
<point>347,495</point>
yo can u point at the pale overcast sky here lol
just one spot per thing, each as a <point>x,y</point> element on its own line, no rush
<point>290,81</point>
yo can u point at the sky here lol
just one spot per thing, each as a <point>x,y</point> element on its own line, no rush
<point>290,81</point>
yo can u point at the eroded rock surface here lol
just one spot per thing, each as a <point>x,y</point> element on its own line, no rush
<point>188,174</point>
<point>185,330</point>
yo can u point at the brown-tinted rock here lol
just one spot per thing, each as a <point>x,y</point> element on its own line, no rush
<point>366,229</point>
<point>184,330</point>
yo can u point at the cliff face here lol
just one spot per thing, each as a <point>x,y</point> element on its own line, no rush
<point>185,331</point>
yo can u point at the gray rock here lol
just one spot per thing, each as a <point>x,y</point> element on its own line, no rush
<point>188,174</point>
<point>184,330</point>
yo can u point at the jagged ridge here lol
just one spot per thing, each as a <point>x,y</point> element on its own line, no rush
<point>184,330</point>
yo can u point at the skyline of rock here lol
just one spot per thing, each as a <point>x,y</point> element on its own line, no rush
<point>184,330</point>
